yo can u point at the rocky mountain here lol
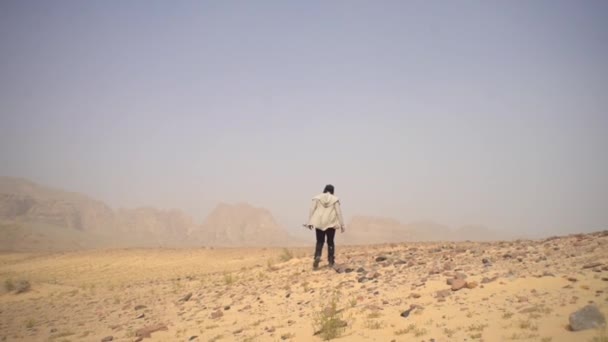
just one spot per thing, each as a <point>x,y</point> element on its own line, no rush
<point>367,230</point>
<point>36,217</point>
<point>241,225</point>
<point>25,201</point>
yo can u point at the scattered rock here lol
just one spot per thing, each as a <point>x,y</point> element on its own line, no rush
<point>406,313</point>
<point>227,307</point>
<point>140,307</point>
<point>471,284</point>
<point>592,265</point>
<point>458,284</point>
<point>107,339</point>
<point>381,258</point>
<point>186,297</point>
<point>588,317</point>
<point>216,314</point>
<point>22,286</point>
<point>193,337</point>
<point>443,293</point>
<point>147,331</point>
<point>142,315</point>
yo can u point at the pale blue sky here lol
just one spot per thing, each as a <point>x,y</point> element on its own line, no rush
<point>482,112</point>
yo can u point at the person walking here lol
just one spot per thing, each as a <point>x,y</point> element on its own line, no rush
<point>325,218</point>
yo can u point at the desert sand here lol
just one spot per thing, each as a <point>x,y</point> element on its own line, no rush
<point>523,290</point>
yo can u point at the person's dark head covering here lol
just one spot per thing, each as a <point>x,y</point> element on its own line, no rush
<point>329,188</point>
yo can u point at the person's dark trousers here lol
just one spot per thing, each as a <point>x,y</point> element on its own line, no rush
<point>330,233</point>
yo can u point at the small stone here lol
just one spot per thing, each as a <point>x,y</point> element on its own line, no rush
<point>406,313</point>
<point>487,280</point>
<point>142,315</point>
<point>107,339</point>
<point>443,293</point>
<point>572,279</point>
<point>147,331</point>
<point>216,314</point>
<point>192,338</point>
<point>186,297</point>
<point>415,295</point>
<point>381,258</point>
<point>471,284</point>
<point>458,284</point>
<point>592,265</point>
<point>588,317</point>
<point>227,307</point>
<point>140,307</point>
<point>22,286</point>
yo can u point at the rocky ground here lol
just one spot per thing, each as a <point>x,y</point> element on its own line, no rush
<point>501,291</point>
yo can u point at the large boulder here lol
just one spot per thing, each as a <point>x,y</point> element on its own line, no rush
<point>588,317</point>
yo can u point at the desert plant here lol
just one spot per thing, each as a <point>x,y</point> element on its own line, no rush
<point>375,314</point>
<point>420,332</point>
<point>475,336</point>
<point>353,302</point>
<point>527,325</point>
<point>30,323</point>
<point>286,255</point>
<point>477,327</point>
<point>9,285</point>
<point>229,279</point>
<point>410,328</point>
<point>373,324</point>
<point>287,336</point>
<point>328,322</point>
<point>270,265</point>
<point>602,336</point>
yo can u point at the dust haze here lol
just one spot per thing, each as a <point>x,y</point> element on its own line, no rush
<point>158,160</point>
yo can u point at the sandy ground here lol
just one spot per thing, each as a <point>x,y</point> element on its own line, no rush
<point>523,290</point>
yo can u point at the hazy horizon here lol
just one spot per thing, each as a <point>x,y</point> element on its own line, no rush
<point>488,113</point>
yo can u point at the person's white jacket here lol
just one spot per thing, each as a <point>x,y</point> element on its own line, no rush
<point>325,212</point>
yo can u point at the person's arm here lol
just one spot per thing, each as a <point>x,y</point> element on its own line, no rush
<point>339,213</point>
<point>313,207</point>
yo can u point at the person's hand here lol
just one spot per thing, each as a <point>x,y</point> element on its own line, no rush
<point>310,226</point>
<point>342,229</point>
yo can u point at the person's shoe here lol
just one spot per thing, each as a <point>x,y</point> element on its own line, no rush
<point>331,265</point>
<point>315,264</point>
